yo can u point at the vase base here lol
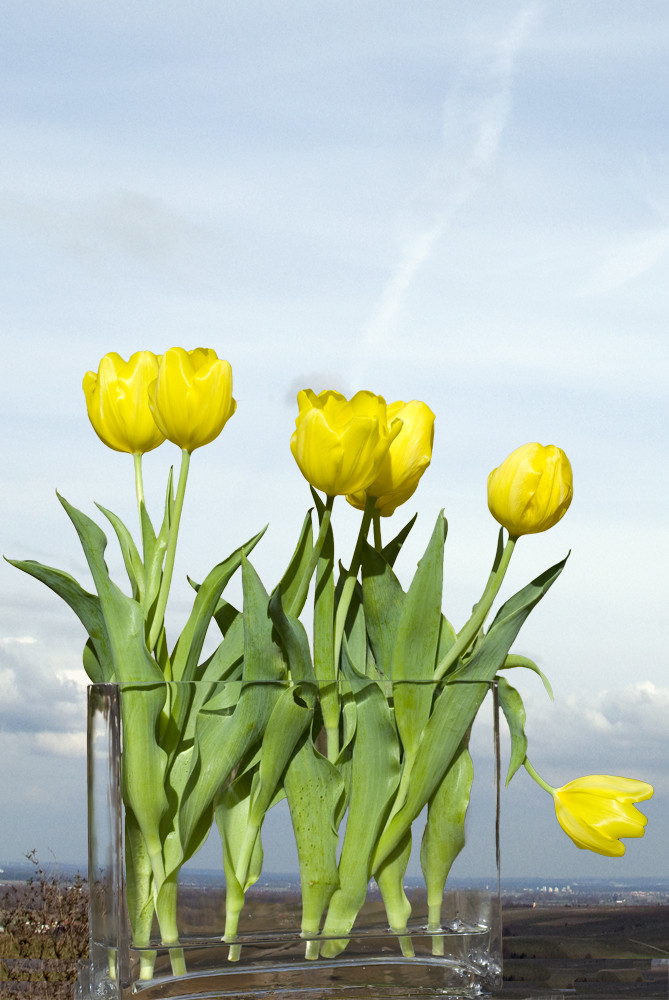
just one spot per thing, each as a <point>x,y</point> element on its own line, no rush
<point>448,965</point>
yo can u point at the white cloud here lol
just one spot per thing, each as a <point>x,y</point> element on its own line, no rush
<point>61,744</point>
<point>41,698</point>
<point>617,731</point>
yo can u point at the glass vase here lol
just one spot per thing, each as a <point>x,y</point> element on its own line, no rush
<point>193,932</point>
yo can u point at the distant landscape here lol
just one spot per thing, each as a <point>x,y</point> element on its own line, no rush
<point>595,938</point>
<point>543,889</point>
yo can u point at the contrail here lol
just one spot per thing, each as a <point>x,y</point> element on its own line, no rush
<point>475,115</point>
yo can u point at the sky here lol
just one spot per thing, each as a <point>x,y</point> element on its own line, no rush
<point>463,204</point>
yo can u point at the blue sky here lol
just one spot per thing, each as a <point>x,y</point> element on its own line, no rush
<point>465,204</point>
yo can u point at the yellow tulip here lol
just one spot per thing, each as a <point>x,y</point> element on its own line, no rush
<point>191,399</point>
<point>118,405</point>
<point>408,457</point>
<point>597,810</point>
<point>531,490</point>
<point>339,444</point>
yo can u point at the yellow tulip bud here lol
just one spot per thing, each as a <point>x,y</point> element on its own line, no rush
<point>597,810</point>
<point>339,444</point>
<point>408,457</point>
<point>531,489</point>
<point>118,404</point>
<point>191,399</point>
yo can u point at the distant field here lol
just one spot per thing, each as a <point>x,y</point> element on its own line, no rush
<point>603,950</point>
<point>622,932</point>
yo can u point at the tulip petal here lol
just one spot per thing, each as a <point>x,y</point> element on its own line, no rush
<point>339,444</point>
<point>408,457</point>
<point>191,400</point>
<point>117,402</point>
<point>531,490</point>
<point>596,811</point>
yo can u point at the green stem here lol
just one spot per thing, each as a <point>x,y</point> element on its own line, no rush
<point>377,531</point>
<point>537,777</point>
<point>434,927</point>
<point>147,962</point>
<point>139,484</point>
<point>351,577</point>
<point>467,634</point>
<point>234,904</point>
<point>166,911</point>
<point>163,593</point>
<point>323,637</point>
<point>332,742</point>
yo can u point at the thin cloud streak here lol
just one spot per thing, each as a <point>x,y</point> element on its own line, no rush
<point>627,260</point>
<point>480,103</point>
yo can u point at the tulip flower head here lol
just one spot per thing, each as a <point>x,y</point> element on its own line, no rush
<point>340,445</point>
<point>118,404</point>
<point>531,490</point>
<point>407,459</point>
<point>596,811</point>
<point>191,398</point>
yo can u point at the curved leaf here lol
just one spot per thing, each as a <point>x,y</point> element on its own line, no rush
<point>514,713</point>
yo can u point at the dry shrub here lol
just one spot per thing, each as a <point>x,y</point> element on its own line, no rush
<point>44,935</point>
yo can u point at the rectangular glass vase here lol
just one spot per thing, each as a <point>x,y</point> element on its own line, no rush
<point>456,953</point>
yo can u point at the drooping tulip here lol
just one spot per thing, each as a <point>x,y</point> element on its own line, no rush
<point>531,490</point>
<point>191,398</point>
<point>408,457</point>
<point>597,810</point>
<point>340,444</point>
<point>118,404</point>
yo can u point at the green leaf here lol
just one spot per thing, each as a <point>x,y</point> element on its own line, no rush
<point>523,661</point>
<point>383,599</point>
<point>444,835</point>
<point>99,660</point>
<point>138,882</point>
<point>291,716</point>
<point>131,559</point>
<point>291,581</point>
<point>392,549</point>
<point>514,713</point>
<point>374,777</point>
<point>456,707</point>
<point>226,615</point>
<point>447,639</point>
<point>189,645</point>
<point>226,662</point>
<point>231,810</point>
<point>122,615</point>
<point>314,789</point>
<point>294,640</point>
<point>262,656</point>
<point>143,765</point>
<point>355,632</point>
<point>221,740</point>
<point>390,880</point>
<point>416,643</point>
<point>92,664</point>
